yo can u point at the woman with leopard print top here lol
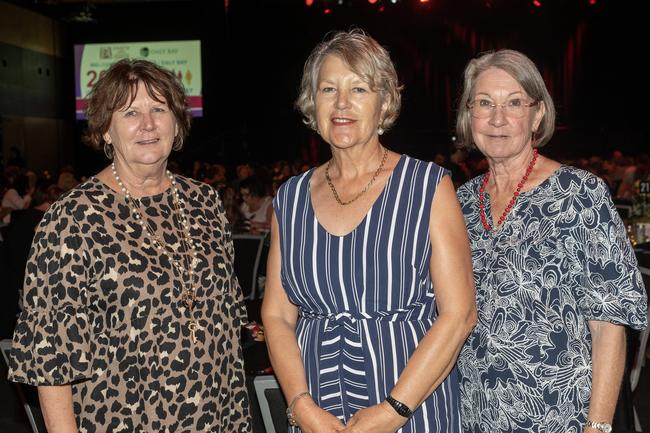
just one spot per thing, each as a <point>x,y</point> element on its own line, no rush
<point>131,308</point>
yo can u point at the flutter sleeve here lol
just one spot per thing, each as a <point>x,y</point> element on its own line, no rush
<point>51,344</point>
<point>611,287</point>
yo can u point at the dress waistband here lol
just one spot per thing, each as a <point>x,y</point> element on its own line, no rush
<point>352,318</point>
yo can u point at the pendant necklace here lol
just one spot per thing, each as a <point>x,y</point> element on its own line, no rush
<point>336,194</point>
<point>513,200</point>
<point>186,266</point>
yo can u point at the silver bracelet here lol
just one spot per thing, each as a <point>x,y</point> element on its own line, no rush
<point>290,416</point>
<point>600,426</point>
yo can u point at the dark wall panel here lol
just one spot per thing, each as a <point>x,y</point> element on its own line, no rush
<point>11,82</point>
<point>30,83</point>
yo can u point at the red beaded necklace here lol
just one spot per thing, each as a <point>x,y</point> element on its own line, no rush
<point>481,194</point>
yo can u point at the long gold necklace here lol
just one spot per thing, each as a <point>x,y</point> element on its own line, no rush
<point>363,191</point>
<point>186,266</point>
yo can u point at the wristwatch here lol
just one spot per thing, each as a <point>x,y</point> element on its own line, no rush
<point>600,426</point>
<point>400,408</point>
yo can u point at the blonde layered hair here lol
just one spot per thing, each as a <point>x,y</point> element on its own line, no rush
<point>366,58</point>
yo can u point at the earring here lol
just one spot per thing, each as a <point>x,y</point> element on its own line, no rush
<point>380,130</point>
<point>108,150</point>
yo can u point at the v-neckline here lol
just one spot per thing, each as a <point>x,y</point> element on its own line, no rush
<point>379,199</point>
<point>488,200</point>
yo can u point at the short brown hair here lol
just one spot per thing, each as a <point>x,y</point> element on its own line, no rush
<point>524,71</point>
<point>117,88</point>
<point>366,58</point>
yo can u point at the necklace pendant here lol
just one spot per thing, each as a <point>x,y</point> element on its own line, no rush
<point>192,326</point>
<point>188,297</point>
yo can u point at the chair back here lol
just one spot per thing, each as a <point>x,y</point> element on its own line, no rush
<point>248,254</point>
<point>272,404</point>
<point>639,359</point>
<point>28,395</point>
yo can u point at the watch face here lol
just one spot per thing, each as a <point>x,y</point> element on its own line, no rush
<point>606,428</point>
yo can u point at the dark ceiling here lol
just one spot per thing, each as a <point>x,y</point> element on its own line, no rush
<point>253,51</point>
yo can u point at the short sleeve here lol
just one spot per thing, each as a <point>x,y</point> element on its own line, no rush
<point>51,344</point>
<point>611,288</point>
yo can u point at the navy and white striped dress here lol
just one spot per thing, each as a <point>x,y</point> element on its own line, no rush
<point>366,299</point>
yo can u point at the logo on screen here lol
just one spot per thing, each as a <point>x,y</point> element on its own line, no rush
<point>105,53</point>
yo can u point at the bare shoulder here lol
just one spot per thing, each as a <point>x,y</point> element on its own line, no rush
<point>318,176</point>
<point>547,166</point>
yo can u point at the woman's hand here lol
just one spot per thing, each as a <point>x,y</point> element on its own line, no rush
<point>380,418</point>
<point>313,419</point>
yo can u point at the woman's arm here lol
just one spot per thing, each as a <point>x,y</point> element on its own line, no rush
<point>56,405</point>
<point>280,316</point>
<point>453,282</point>
<point>608,364</point>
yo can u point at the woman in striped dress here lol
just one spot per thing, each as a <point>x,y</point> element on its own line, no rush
<point>369,292</point>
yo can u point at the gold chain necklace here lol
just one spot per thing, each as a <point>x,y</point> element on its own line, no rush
<point>374,177</point>
<point>185,267</point>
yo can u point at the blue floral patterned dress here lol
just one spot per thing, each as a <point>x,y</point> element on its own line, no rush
<point>560,259</point>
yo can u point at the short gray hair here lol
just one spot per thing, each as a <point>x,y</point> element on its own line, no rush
<point>366,58</point>
<point>524,71</point>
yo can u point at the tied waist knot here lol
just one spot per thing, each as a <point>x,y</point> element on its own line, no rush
<point>343,349</point>
<point>345,318</point>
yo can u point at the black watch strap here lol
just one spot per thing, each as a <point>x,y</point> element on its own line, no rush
<point>400,408</point>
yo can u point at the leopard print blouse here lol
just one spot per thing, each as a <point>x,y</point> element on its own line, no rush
<point>102,311</point>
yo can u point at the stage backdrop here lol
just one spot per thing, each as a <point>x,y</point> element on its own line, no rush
<point>183,58</point>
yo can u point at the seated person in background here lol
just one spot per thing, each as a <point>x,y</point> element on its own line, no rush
<point>459,171</point>
<point>228,197</point>
<point>626,189</point>
<point>20,234</point>
<point>18,196</point>
<point>216,176</point>
<point>257,206</point>
<point>67,179</point>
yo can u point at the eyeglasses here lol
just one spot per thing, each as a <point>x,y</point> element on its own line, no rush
<point>484,108</point>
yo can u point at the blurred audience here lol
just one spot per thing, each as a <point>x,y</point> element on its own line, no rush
<point>18,195</point>
<point>257,205</point>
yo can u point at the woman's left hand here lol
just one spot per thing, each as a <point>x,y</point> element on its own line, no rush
<point>380,418</point>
